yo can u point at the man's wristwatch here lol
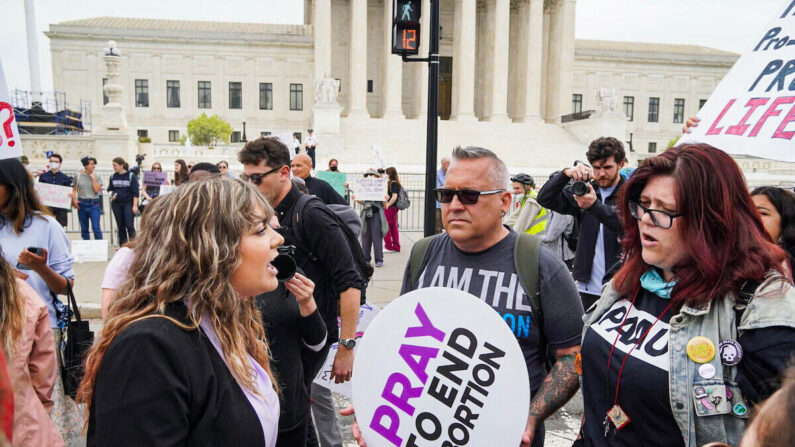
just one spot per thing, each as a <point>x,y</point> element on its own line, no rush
<point>348,342</point>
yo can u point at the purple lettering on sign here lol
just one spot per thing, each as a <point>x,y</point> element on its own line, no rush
<point>423,353</point>
<point>425,328</point>
<point>389,433</point>
<point>406,392</point>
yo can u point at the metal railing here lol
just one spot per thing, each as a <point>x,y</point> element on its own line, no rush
<point>410,219</point>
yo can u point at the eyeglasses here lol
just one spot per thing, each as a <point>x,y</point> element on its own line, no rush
<point>156,169</point>
<point>222,167</point>
<point>465,196</point>
<point>660,218</point>
<point>257,178</point>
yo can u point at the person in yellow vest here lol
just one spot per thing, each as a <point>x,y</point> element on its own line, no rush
<point>529,217</point>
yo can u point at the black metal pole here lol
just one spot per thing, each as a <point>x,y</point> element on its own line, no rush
<point>433,121</point>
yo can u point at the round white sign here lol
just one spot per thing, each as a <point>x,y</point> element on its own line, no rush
<point>439,367</point>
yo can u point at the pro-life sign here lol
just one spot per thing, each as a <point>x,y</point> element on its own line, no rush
<point>438,367</point>
<point>752,111</point>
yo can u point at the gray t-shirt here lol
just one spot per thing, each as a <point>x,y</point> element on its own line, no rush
<point>85,186</point>
<point>491,275</point>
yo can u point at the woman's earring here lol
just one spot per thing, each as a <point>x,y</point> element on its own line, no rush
<point>502,213</point>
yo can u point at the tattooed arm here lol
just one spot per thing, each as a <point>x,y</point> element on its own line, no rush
<point>558,387</point>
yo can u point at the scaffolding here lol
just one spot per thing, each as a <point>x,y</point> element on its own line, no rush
<point>48,113</point>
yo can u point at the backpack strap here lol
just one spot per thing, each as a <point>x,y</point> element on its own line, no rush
<point>418,258</point>
<point>525,258</point>
<point>296,224</point>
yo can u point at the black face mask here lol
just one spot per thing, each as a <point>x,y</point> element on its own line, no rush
<point>333,168</point>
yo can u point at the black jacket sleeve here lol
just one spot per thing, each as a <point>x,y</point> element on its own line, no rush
<point>554,195</point>
<point>141,395</point>
<point>606,215</point>
<point>328,243</point>
<point>313,330</point>
<point>766,354</point>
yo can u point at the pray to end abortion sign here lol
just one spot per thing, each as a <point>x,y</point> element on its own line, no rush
<point>439,367</point>
<point>752,111</point>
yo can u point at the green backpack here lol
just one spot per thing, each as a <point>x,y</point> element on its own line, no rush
<point>525,258</point>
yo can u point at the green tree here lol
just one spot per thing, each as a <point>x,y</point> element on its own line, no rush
<point>208,131</point>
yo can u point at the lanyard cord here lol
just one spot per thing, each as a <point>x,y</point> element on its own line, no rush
<point>642,337</point>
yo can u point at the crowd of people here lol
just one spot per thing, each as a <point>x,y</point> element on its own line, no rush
<point>664,296</point>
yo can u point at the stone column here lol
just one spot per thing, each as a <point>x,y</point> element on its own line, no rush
<point>553,109</point>
<point>322,30</point>
<point>560,61</point>
<point>357,86</point>
<point>421,79</point>
<point>567,13</point>
<point>392,71</point>
<point>499,79</point>
<point>464,61</point>
<point>533,61</point>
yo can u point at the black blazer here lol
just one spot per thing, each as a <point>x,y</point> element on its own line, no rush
<point>159,385</point>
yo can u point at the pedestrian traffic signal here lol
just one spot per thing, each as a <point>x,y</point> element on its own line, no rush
<point>406,26</point>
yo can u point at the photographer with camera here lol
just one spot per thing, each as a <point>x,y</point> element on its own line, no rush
<point>590,200</point>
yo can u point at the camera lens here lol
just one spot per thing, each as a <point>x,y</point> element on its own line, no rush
<point>286,267</point>
<point>579,188</point>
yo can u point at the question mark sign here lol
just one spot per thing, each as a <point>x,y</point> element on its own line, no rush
<point>8,133</point>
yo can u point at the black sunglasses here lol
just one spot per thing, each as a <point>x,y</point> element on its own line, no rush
<point>257,178</point>
<point>660,218</point>
<point>465,196</point>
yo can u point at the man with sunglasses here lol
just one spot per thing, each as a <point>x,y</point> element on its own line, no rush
<point>476,255</point>
<point>597,248</point>
<point>325,257</point>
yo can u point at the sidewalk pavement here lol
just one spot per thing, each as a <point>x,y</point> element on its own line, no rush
<point>561,428</point>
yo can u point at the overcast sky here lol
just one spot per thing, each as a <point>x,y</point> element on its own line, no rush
<point>725,24</point>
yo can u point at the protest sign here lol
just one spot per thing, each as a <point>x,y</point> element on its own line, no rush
<point>335,179</point>
<point>167,189</point>
<point>54,196</point>
<point>378,156</point>
<point>323,378</point>
<point>752,111</point>
<point>90,251</point>
<point>152,178</point>
<point>286,138</point>
<point>369,188</point>
<point>440,367</point>
<point>10,143</point>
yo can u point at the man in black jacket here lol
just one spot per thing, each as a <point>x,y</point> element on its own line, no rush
<point>598,248</point>
<point>338,285</point>
<point>302,165</point>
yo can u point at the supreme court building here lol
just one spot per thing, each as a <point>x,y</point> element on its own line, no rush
<point>513,78</point>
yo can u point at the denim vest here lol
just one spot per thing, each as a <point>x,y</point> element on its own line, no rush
<point>773,305</point>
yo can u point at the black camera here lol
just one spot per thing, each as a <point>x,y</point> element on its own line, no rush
<point>285,263</point>
<point>580,188</point>
<point>140,158</point>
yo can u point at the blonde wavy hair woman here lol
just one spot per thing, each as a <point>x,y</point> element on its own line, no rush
<point>182,358</point>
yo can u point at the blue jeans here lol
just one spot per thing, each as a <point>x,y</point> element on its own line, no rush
<point>125,221</point>
<point>89,209</point>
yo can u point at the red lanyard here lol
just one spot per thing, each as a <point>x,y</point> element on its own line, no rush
<point>612,348</point>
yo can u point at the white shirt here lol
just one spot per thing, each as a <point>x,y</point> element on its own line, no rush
<point>311,141</point>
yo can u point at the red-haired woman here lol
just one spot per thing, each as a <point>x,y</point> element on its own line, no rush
<point>673,353</point>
